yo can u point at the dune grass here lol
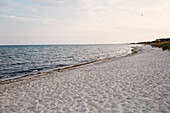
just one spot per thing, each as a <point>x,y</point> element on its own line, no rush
<point>164,45</point>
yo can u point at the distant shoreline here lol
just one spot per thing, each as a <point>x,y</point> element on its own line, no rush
<point>163,43</point>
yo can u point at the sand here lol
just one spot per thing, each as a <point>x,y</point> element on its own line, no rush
<point>139,83</point>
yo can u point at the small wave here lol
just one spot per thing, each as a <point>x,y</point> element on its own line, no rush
<point>61,65</point>
<point>18,63</point>
<point>36,69</point>
<point>22,60</point>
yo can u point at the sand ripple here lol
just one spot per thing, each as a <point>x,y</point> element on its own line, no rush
<point>135,84</point>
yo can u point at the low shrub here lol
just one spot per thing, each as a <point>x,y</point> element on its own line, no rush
<point>164,45</point>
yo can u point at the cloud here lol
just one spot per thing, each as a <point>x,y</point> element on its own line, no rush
<point>87,18</point>
<point>5,5</point>
<point>51,3</point>
<point>31,19</point>
<point>88,12</point>
<point>12,17</point>
<point>30,8</point>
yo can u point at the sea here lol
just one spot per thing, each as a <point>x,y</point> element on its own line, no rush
<point>21,60</point>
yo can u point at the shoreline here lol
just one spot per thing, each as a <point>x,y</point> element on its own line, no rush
<point>21,78</point>
<point>134,84</point>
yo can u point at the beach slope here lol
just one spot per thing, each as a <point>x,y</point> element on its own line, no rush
<point>137,83</point>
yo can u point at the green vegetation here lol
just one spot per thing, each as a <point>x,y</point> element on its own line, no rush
<point>161,43</point>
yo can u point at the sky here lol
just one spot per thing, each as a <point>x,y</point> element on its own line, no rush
<point>82,21</point>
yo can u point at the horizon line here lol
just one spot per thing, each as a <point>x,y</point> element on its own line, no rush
<point>61,44</point>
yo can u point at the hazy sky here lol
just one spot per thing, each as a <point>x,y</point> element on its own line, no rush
<point>83,21</point>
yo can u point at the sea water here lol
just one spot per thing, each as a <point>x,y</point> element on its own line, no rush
<point>20,60</point>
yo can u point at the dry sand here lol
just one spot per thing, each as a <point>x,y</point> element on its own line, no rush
<point>139,83</point>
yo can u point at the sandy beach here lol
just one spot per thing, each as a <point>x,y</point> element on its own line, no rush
<point>138,83</point>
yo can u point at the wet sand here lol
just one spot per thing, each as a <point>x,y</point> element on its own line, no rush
<point>137,83</point>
